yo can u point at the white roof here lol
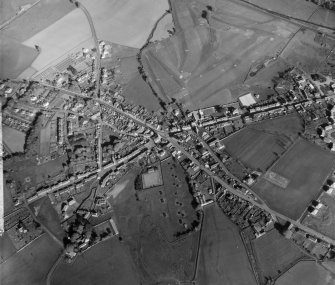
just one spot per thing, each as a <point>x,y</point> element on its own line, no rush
<point>247,99</point>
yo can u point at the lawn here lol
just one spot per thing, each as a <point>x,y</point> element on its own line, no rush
<point>274,254</point>
<point>32,264</point>
<point>106,263</point>
<point>14,139</point>
<point>256,149</point>
<point>306,273</point>
<point>306,166</point>
<point>222,257</point>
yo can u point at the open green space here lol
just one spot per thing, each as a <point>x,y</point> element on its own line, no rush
<point>14,139</point>
<point>106,263</point>
<point>306,166</point>
<point>32,264</point>
<point>274,254</point>
<point>37,174</point>
<point>140,227</point>
<point>48,216</point>
<point>324,221</point>
<point>256,149</point>
<point>306,273</point>
<point>222,257</point>
<point>289,126</point>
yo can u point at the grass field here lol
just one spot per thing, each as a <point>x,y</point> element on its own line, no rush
<point>274,254</point>
<point>8,201</point>
<point>256,149</point>
<point>306,166</point>
<point>45,140</point>
<point>7,249</point>
<point>8,9</point>
<point>324,222</point>
<point>156,258</point>
<point>48,216</point>
<point>222,258</point>
<point>170,203</point>
<point>106,263</point>
<point>37,173</point>
<point>166,260</point>
<point>111,20</point>
<point>14,57</point>
<point>289,126</point>
<point>13,138</point>
<point>207,62</point>
<point>306,273</point>
<point>32,264</point>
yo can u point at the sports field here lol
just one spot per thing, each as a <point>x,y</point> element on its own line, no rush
<point>256,149</point>
<point>32,264</point>
<point>274,254</point>
<point>222,257</point>
<point>152,178</point>
<point>106,263</point>
<point>306,273</point>
<point>14,57</point>
<point>307,167</point>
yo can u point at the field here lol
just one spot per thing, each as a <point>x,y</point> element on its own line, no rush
<point>256,149</point>
<point>47,215</point>
<point>324,222</point>
<point>152,179</point>
<point>306,273</point>
<point>306,166</point>
<point>208,62</point>
<point>32,264</point>
<point>7,249</point>
<point>170,204</point>
<point>274,254</point>
<point>45,140</point>
<point>222,258</point>
<point>156,258</point>
<point>37,19</point>
<point>37,173</point>
<point>13,139</point>
<point>106,263</point>
<point>111,20</point>
<point>14,57</point>
<point>10,8</point>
